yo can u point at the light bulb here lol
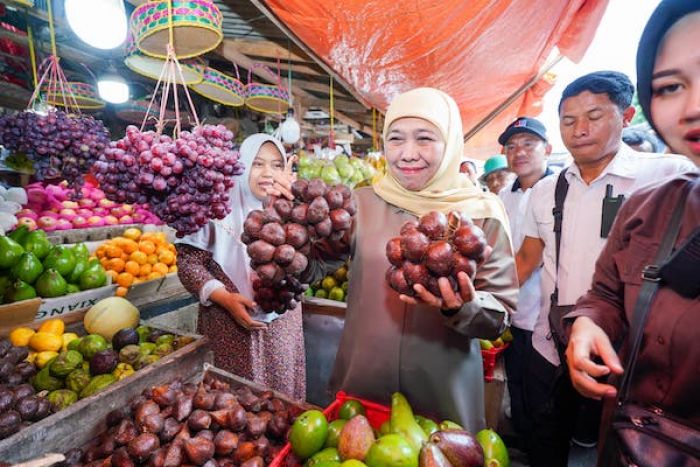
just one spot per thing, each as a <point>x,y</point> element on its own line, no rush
<point>113,88</point>
<point>290,130</point>
<point>100,23</point>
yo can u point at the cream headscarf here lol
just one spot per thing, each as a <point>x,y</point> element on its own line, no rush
<point>448,189</point>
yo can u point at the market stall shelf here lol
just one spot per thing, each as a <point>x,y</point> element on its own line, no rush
<point>81,421</point>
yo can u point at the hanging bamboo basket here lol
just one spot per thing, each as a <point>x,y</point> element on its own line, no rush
<point>221,88</point>
<point>138,62</point>
<point>266,98</point>
<point>137,111</point>
<point>71,94</point>
<point>196,27</point>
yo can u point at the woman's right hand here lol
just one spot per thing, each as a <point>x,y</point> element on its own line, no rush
<point>237,306</point>
<point>282,181</point>
<point>587,341</point>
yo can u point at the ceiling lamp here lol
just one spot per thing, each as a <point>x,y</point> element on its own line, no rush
<point>112,87</point>
<point>100,23</point>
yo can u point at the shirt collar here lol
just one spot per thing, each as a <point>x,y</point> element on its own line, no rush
<point>622,165</point>
<point>516,183</point>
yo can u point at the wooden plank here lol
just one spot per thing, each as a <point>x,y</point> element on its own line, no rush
<point>319,87</point>
<point>283,27</point>
<point>343,105</point>
<point>296,68</point>
<point>229,52</point>
<point>267,49</point>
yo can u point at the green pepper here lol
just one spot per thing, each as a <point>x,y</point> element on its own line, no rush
<point>97,384</point>
<point>122,371</point>
<point>61,398</point>
<point>77,380</point>
<point>66,362</point>
<point>43,381</point>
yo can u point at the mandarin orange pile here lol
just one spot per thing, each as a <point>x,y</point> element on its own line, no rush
<point>136,257</point>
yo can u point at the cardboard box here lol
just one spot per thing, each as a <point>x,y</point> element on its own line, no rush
<point>55,307</point>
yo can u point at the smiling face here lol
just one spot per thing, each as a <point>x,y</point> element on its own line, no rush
<point>527,155</point>
<point>414,150</point>
<point>591,127</point>
<point>675,85</point>
<point>268,161</point>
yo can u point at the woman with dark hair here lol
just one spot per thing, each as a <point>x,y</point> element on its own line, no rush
<point>666,373</point>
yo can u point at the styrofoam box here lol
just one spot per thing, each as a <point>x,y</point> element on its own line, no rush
<point>53,307</point>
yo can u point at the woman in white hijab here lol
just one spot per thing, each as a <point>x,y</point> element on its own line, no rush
<point>213,265</point>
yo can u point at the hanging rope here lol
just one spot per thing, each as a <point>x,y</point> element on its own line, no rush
<point>32,53</point>
<point>331,134</point>
<point>51,29</point>
<point>374,129</point>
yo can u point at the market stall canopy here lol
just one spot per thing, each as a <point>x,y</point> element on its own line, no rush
<point>481,52</point>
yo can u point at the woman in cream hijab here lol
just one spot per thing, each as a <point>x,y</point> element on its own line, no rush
<point>214,266</point>
<point>425,347</point>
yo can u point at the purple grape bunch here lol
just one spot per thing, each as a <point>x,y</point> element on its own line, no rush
<point>281,236</point>
<point>184,181</point>
<point>61,145</point>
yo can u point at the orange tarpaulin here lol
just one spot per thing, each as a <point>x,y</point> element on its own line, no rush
<point>478,51</point>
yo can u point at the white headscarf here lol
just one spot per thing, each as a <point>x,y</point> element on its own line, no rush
<point>223,237</point>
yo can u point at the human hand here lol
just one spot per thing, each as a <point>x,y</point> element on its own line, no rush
<point>237,306</point>
<point>588,340</point>
<point>448,299</point>
<point>282,181</point>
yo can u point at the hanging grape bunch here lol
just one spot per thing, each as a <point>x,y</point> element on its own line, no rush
<point>185,181</point>
<point>435,246</point>
<point>281,236</point>
<point>61,145</point>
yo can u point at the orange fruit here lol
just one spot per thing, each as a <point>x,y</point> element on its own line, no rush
<point>114,251</point>
<point>121,291</point>
<point>137,280</point>
<point>147,236</point>
<point>145,270</point>
<point>132,267</point>
<point>124,257</point>
<point>173,268</point>
<point>125,279</point>
<point>132,233</point>
<point>166,257</point>
<point>154,275</point>
<point>152,259</point>
<point>139,257</point>
<point>129,246</point>
<point>147,247</point>
<point>116,264</point>
<point>160,238</point>
<point>118,241</point>
<point>160,268</point>
<point>104,262</point>
<point>171,247</point>
<point>112,274</point>
<point>100,251</point>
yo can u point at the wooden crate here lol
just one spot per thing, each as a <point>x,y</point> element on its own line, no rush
<point>83,426</point>
<point>80,422</point>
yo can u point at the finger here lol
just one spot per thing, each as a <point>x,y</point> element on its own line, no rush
<point>590,367</point>
<point>407,299</point>
<point>466,287</point>
<point>426,296</point>
<point>589,387</point>
<point>450,300</point>
<point>607,353</point>
<point>257,325</point>
<point>487,254</point>
<point>246,301</point>
<point>291,160</point>
<point>286,192</point>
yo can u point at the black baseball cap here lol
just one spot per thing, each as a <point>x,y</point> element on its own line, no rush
<point>523,125</point>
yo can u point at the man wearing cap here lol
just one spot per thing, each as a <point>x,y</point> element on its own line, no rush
<point>496,173</point>
<point>592,113</point>
<point>526,148</point>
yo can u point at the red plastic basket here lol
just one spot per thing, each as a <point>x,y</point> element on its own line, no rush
<point>489,358</point>
<point>376,415</point>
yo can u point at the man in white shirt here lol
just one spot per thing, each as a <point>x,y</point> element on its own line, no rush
<point>592,113</point>
<point>526,148</point>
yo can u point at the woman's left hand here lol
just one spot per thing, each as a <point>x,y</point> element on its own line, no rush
<point>449,299</point>
<point>282,181</point>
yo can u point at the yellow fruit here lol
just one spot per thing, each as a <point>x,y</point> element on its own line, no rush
<point>54,326</point>
<point>31,357</point>
<point>154,275</point>
<point>160,238</point>
<point>121,291</point>
<point>42,341</point>
<point>42,358</point>
<point>173,268</point>
<point>132,233</point>
<point>139,257</point>
<point>166,257</point>
<point>171,247</point>
<point>147,247</point>
<point>67,338</point>
<point>20,336</point>
<point>160,268</point>
<point>112,274</point>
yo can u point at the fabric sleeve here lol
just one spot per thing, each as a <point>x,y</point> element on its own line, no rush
<point>496,284</point>
<point>529,224</point>
<point>605,301</point>
<point>199,273</point>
